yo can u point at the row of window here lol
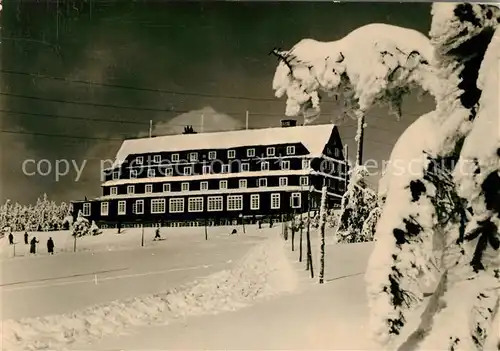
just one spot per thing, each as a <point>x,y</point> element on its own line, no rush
<point>195,204</point>
<point>223,184</point>
<point>207,169</point>
<point>212,155</point>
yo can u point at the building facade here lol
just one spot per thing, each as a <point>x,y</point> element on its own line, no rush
<point>219,177</point>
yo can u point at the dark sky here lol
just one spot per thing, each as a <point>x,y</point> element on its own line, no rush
<point>217,48</point>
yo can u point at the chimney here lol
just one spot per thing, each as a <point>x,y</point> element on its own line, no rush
<point>288,123</point>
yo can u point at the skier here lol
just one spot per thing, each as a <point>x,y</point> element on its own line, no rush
<point>157,234</point>
<point>50,246</point>
<point>33,245</point>
<point>11,239</point>
<point>26,238</point>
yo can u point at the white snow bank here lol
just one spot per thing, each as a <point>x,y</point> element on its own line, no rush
<point>265,271</point>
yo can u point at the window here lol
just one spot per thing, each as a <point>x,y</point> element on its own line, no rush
<point>158,206</point>
<point>86,209</point>
<point>193,156</point>
<point>113,190</point>
<point>175,157</point>
<point>214,203</point>
<point>264,166</point>
<point>337,152</point>
<point>157,158</point>
<point>290,150</point>
<point>130,189</point>
<point>251,153</point>
<point>231,154</point>
<point>207,170</point>
<point>116,175</point>
<point>104,208</point>
<point>121,207</point>
<point>295,200</point>
<point>341,186</point>
<point>138,207</point>
<point>185,187</point>
<point>304,180</point>
<point>275,201</point>
<point>262,182</point>
<point>188,170</point>
<point>212,155</point>
<point>245,167</point>
<point>204,186</point>
<point>283,181</point>
<point>235,202</point>
<point>223,184</point>
<point>166,187</point>
<point>169,171</point>
<point>133,173</point>
<point>271,151</point>
<point>306,164</point>
<point>149,188</point>
<point>151,173</point>
<point>225,168</point>
<point>254,201</point>
<point>139,160</point>
<point>285,165</point>
<point>195,204</point>
<point>243,183</point>
<point>177,205</point>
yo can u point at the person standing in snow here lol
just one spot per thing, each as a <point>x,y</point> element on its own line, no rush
<point>50,246</point>
<point>157,234</point>
<point>11,239</point>
<point>26,238</point>
<point>33,245</point>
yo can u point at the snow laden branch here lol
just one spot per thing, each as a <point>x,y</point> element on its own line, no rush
<point>441,206</point>
<point>374,64</point>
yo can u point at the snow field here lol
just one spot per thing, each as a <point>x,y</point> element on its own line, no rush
<point>265,271</point>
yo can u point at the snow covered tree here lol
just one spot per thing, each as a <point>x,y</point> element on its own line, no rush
<point>80,226</point>
<point>370,225</point>
<point>94,229</point>
<point>357,203</point>
<point>445,202</point>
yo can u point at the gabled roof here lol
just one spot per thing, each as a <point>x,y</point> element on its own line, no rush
<point>313,137</point>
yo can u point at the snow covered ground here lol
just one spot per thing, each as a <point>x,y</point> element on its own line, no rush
<point>132,289</point>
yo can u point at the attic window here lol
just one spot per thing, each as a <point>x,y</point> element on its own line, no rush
<point>337,152</point>
<point>290,150</point>
<point>212,155</point>
<point>251,153</point>
<point>139,160</point>
<point>231,154</point>
<point>270,151</point>
<point>175,157</point>
<point>157,158</point>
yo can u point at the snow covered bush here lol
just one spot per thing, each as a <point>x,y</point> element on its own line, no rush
<point>445,202</point>
<point>94,229</point>
<point>370,225</point>
<point>357,203</point>
<point>81,226</point>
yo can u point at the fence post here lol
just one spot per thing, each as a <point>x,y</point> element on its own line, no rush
<point>142,235</point>
<point>206,232</point>
<point>74,243</point>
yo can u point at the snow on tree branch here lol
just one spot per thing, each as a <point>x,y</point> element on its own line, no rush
<point>374,64</point>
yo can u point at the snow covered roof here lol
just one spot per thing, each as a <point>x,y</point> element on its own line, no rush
<point>313,137</point>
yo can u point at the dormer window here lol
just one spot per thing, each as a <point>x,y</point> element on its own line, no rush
<point>133,173</point>
<point>193,156</point>
<point>188,170</point>
<point>223,184</point>
<point>264,166</point>
<point>185,186</point>
<point>139,160</point>
<point>149,188</point>
<point>251,153</point>
<point>212,155</point>
<point>231,154</point>
<point>175,157</point>
<point>116,175</point>
<point>290,150</point>
<point>271,151</point>
<point>151,173</point>
<point>225,168</point>
<point>157,158</point>
<point>113,190</point>
<point>262,182</point>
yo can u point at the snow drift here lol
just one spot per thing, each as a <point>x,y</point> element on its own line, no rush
<point>265,271</point>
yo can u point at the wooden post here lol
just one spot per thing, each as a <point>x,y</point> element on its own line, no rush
<point>14,255</point>
<point>322,233</point>
<point>243,223</point>
<point>74,243</point>
<point>293,232</point>
<point>206,230</point>
<point>142,235</point>
<point>308,238</point>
